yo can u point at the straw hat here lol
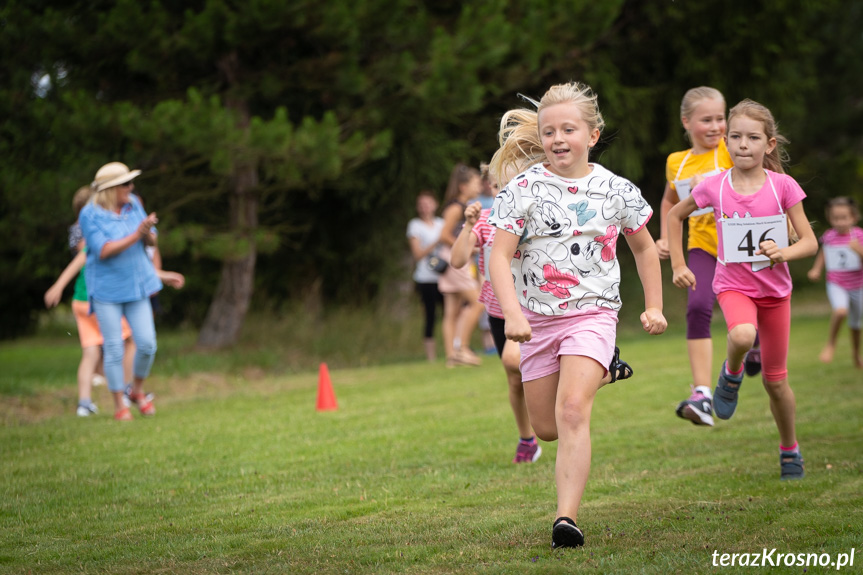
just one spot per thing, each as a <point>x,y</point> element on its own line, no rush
<point>113,174</point>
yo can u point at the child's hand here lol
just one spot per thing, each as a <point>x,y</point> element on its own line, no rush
<point>517,328</point>
<point>653,321</point>
<point>855,245</point>
<point>814,274</point>
<point>471,214</point>
<point>683,277</point>
<point>662,248</point>
<point>52,296</point>
<point>772,251</point>
<point>173,279</point>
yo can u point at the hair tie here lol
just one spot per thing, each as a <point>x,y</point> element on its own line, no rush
<point>528,99</point>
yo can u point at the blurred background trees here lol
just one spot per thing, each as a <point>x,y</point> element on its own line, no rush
<point>283,143</point>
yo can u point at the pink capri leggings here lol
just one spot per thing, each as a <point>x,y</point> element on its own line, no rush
<point>771,316</point>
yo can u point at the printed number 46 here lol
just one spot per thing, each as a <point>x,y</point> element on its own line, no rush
<point>746,245</point>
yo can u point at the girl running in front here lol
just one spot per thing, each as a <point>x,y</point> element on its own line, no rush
<point>555,273</point>
<point>841,253</point>
<point>477,232</point>
<point>752,203</point>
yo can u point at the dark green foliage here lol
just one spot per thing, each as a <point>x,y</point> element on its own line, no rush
<point>346,110</point>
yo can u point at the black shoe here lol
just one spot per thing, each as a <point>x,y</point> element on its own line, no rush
<point>565,533</point>
<point>752,362</point>
<point>618,369</point>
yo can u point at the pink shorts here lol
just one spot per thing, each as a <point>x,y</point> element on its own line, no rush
<point>589,333</point>
<point>771,316</point>
<point>88,326</point>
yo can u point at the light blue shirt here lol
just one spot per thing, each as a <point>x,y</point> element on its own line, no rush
<point>128,275</point>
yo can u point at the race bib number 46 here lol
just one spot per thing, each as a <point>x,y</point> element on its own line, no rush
<point>742,237</point>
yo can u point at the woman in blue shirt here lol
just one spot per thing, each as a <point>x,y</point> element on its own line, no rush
<point>120,278</point>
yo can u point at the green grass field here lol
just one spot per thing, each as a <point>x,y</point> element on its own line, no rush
<point>237,473</point>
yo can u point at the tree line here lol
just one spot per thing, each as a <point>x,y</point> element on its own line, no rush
<point>283,143</point>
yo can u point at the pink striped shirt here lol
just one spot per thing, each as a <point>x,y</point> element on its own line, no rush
<point>845,279</point>
<point>484,233</point>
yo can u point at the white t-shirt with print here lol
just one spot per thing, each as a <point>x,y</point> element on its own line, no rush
<point>567,255</point>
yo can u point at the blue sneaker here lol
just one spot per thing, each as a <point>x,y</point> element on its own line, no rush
<point>792,465</point>
<point>725,394</point>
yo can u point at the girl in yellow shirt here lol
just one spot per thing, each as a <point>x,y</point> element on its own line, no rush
<point>702,113</point>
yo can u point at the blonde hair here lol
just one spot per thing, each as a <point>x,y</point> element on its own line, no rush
<point>519,139</point>
<point>80,199</point>
<point>460,175</point>
<point>778,157</point>
<point>106,199</point>
<point>693,97</point>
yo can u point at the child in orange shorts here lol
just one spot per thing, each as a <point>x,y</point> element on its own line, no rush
<point>88,327</point>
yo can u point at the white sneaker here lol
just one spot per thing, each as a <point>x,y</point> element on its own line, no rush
<point>87,410</point>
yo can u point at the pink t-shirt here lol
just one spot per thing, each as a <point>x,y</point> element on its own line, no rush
<point>484,233</point>
<point>845,279</point>
<point>768,281</point>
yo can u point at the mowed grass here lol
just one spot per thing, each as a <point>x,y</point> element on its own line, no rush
<point>238,473</point>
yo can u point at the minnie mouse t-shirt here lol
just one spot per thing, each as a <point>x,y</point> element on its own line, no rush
<point>566,257</point>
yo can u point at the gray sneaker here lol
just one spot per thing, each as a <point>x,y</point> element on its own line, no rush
<point>725,394</point>
<point>698,409</point>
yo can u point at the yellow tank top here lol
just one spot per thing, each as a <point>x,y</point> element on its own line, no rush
<point>683,165</point>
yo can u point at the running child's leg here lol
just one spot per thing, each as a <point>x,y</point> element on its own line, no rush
<point>741,316</point>
<point>855,322</point>
<point>91,357</point>
<point>699,312</point>
<point>579,380</point>
<point>839,302</point>
<point>510,359</point>
<point>698,407</point>
<point>774,322</point>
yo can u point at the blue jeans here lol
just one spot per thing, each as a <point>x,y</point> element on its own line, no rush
<point>139,314</point>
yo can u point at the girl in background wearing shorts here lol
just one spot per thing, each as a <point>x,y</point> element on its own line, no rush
<point>841,253</point>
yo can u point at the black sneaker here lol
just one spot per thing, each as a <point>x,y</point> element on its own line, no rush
<point>752,362</point>
<point>565,533</point>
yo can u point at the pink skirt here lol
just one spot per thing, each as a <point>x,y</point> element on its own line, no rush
<point>456,280</point>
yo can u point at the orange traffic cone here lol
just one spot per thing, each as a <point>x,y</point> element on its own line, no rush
<point>326,396</point>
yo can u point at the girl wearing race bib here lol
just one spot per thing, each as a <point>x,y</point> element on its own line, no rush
<point>751,204</point>
<point>555,273</point>
<point>702,113</point>
<point>841,253</point>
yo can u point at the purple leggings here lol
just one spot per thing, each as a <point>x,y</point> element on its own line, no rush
<point>699,307</point>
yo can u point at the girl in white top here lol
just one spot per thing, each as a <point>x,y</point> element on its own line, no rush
<point>423,236</point>
<point>562,218</point>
